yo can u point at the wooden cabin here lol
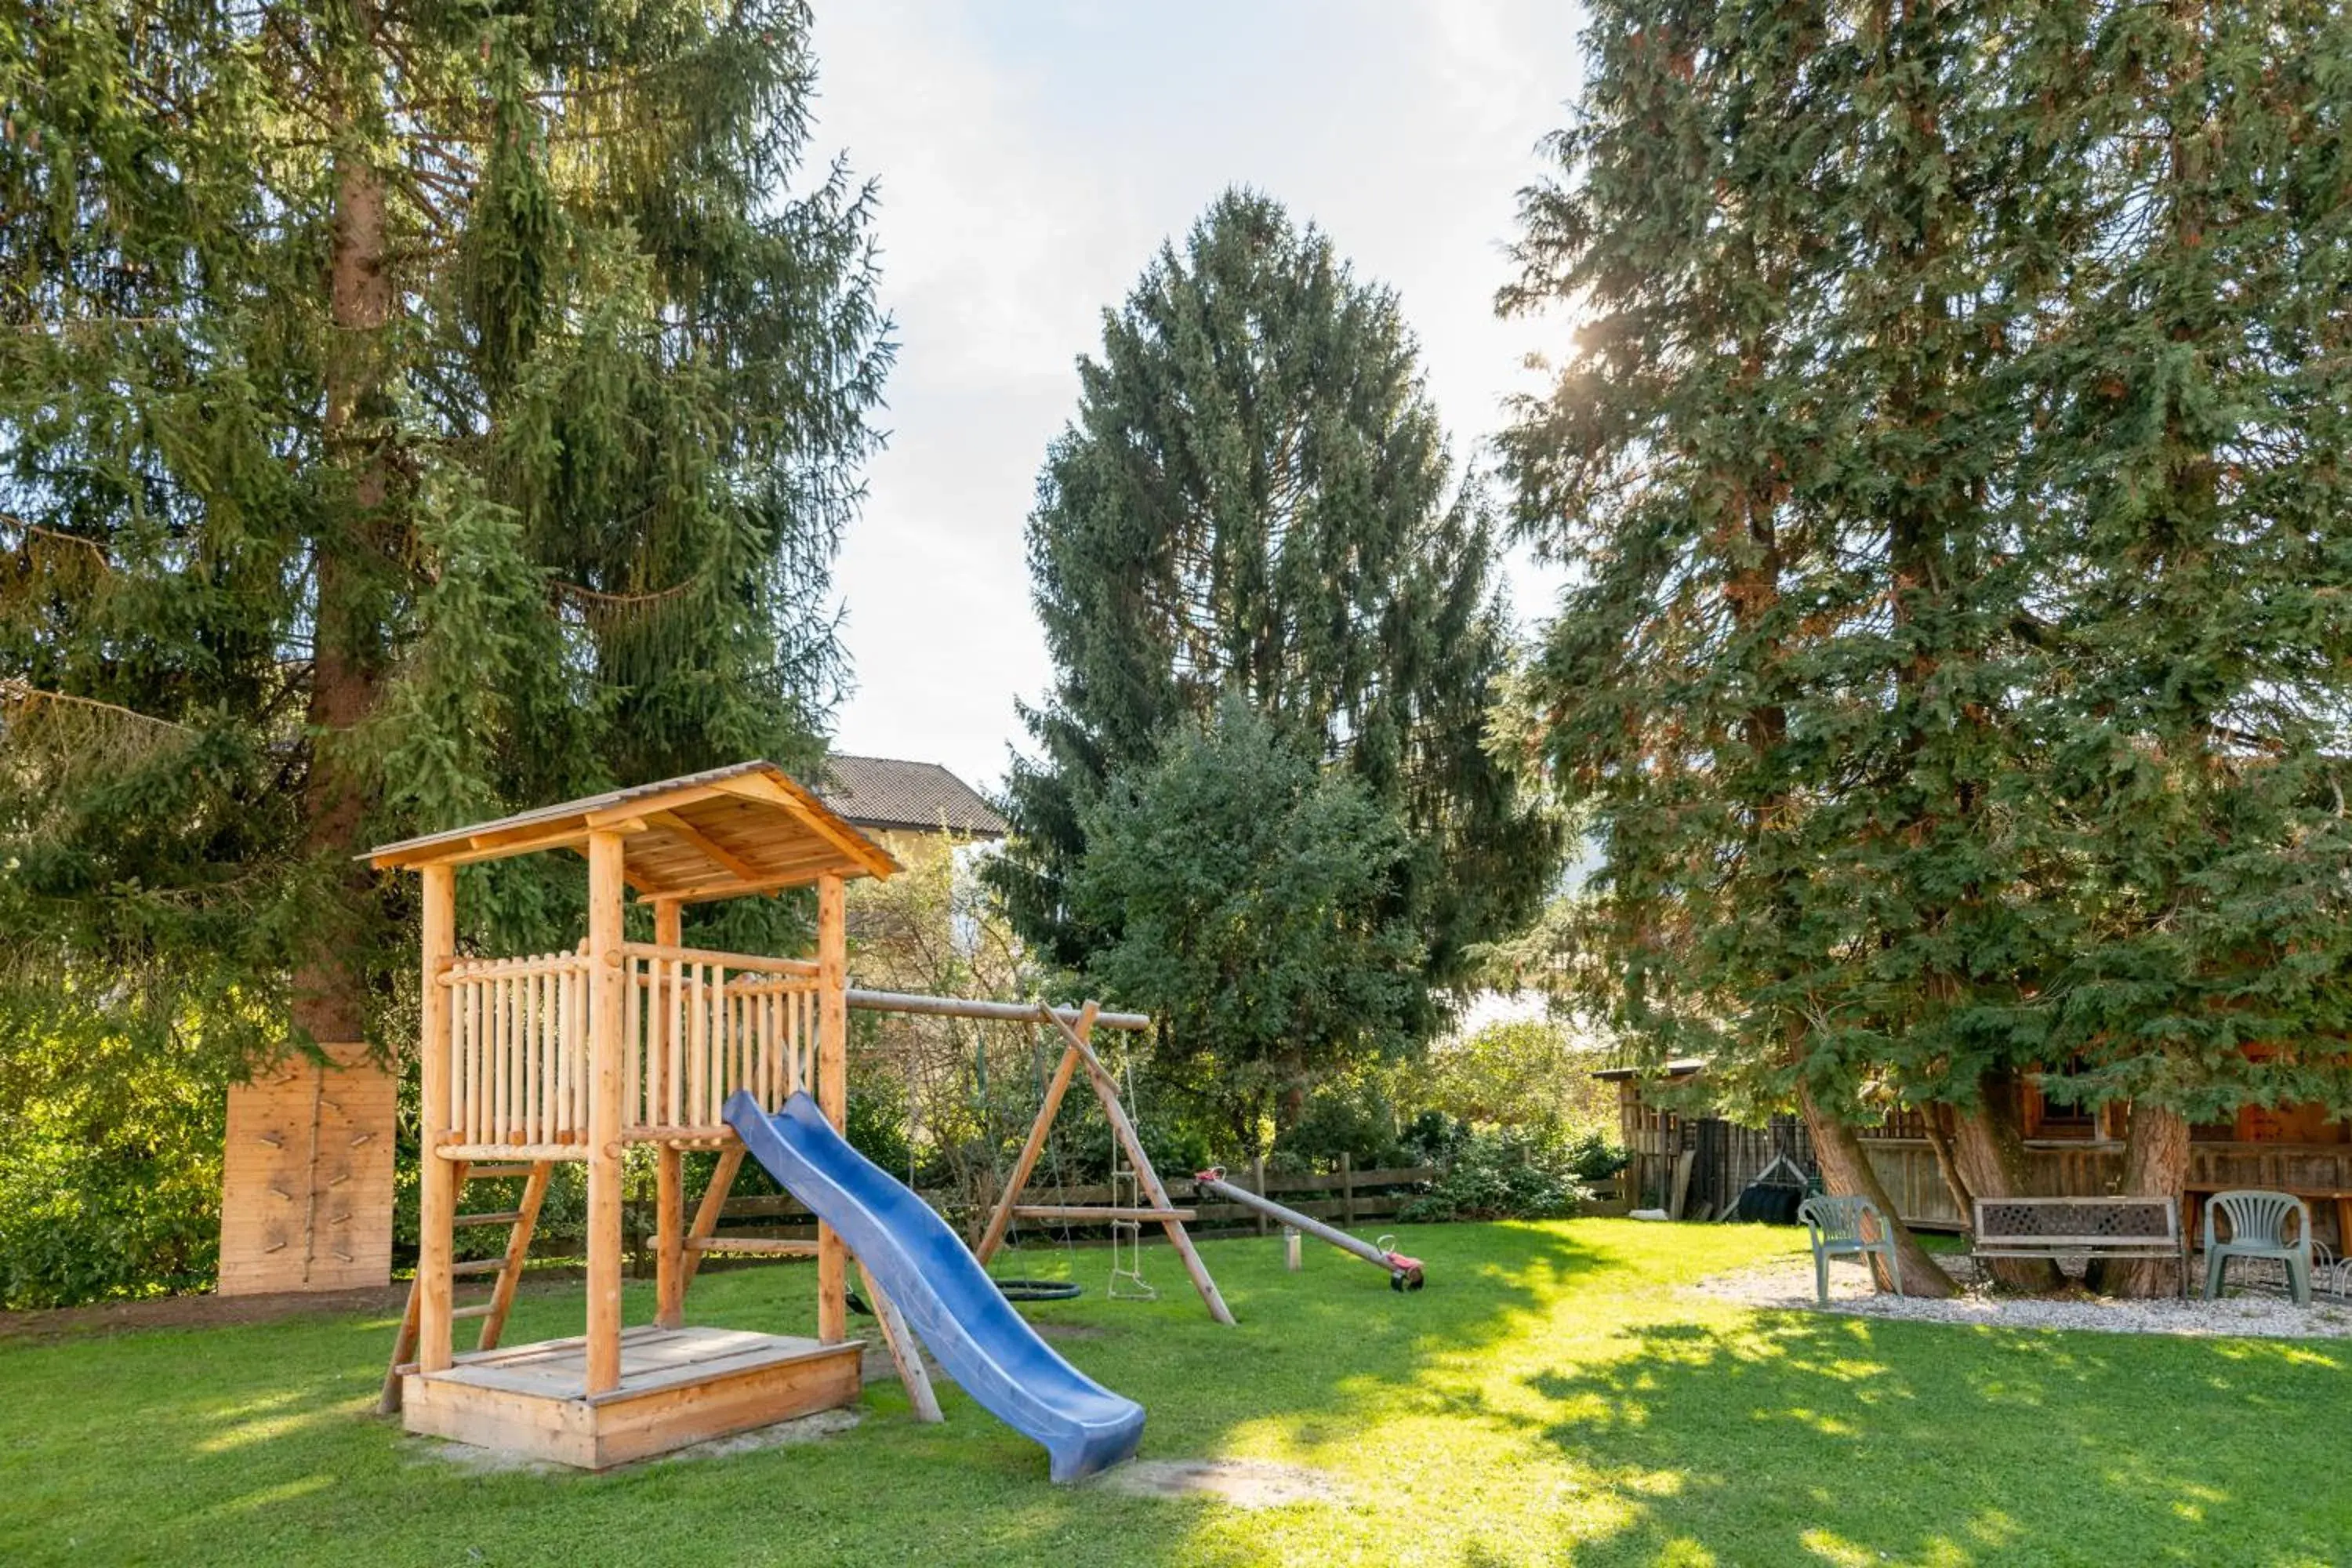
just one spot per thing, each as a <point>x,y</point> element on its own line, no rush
<point>533,1059</point>
<point>2069,1151</point>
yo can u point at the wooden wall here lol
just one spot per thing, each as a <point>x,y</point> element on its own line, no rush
<point>305,1180</point>
<point>1724,1156</point>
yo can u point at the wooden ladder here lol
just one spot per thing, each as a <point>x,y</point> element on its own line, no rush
<point>506,1266</point>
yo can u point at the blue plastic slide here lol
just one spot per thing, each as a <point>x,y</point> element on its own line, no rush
<point>944,1294</point>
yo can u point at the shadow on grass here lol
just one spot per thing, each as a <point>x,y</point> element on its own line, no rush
<point>1792,1438</point>
<point>1549,1396</point>
<point>255,1444</point>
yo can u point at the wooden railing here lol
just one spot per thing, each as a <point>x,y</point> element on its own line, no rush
<point>695,1028</point>
<point>518,1050</point>
<point>699,1026</point>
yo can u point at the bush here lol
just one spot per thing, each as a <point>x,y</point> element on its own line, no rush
<point>1352,1112</point>
<point>1502,1174</point>
<point>1595,1156</point>
<point>109,1167</point>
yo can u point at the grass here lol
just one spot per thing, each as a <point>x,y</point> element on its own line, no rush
<point>1550,1397</point>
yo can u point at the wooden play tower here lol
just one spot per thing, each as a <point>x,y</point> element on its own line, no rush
<point>527,1062</point>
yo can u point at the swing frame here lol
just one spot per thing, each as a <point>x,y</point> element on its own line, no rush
<point>1077,1054</point>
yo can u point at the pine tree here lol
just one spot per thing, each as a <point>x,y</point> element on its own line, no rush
<point>409,410</point>
<point>1255,499</point>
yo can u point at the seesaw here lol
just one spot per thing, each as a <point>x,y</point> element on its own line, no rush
<point>1404,1273</point>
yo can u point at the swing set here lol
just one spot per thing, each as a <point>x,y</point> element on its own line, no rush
<point>1131,1169</point>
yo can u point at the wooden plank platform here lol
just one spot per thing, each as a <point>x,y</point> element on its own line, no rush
<point>678,1386</point>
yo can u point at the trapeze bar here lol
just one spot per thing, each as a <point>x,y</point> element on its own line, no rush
<point>965,1008</point>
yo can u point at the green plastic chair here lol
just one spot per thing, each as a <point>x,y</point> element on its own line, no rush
<point>1836,1228</point>
<point>2258,1229</point>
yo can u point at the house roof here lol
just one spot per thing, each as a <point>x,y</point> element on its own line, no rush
<point>746,828</point>
<point>887,793</point>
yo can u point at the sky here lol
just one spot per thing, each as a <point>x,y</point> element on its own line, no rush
<point>1030,158</point>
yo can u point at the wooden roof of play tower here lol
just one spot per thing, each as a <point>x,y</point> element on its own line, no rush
<point>747,828</point>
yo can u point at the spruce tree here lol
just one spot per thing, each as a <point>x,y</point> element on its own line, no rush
<point>1255,499</point>
<point>408,410</point>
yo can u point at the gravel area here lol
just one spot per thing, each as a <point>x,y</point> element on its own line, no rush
<point>2261,1311</point>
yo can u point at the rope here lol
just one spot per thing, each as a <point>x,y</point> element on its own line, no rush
<point>1137,1287</point>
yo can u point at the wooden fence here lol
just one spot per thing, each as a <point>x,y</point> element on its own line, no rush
<point>1344,1196</point>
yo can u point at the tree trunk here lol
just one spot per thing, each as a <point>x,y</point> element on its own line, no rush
<point>1988,1149</point>
<point>1937,1121</point>
<point>2156,1163</point>
<point>346,659</point>
<point>1846,1170</point>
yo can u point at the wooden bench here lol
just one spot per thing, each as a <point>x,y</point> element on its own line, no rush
<point>2051,1228</point>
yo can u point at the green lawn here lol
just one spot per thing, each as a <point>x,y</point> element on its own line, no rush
<point>1549,1397</point>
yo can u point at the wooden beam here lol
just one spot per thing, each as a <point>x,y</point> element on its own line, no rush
<point>718,853</point>
<point>485,847</point>
<point>669,1237</point>
<point>906,1353</point>
<point>669,1193</point>
<point>650,805</point>
<point>813,813</point>
<point>438,1180</point>
<point>606,979</point>
<point>524,839</point>
<point>795,873</point>
<point>708,1212</point>
<point>832,1091</point>
<point>1099,1212</point>
<point>967,1007</point>
<point>738,961</point>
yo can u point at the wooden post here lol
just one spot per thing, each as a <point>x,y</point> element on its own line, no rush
<point>831,1091</point>
<point>1347,1193</point>
<point>437,1200</point>
<point>1290,1258</point>
<point>906,1353</point>
<point>1257,1185</point>
<point>669,1184</point>
<point>605,888</point>
<point>669,1237</point>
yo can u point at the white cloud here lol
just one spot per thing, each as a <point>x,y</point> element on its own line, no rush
<point>1030,158</point>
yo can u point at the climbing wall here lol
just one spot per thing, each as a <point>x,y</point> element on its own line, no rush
<point>305,1199</point>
